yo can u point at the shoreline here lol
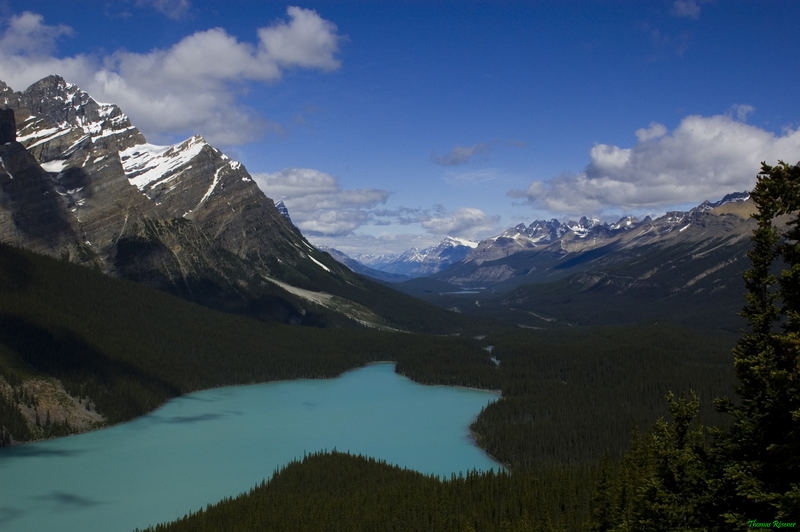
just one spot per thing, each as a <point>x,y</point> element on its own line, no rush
<point>15,443</point>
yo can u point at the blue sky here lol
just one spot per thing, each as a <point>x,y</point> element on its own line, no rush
<point>386,125</point>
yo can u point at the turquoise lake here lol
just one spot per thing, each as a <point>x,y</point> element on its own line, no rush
<point>216,443</point>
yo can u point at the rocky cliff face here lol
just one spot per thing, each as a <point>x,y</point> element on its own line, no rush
<point>78,180</point>
<point>31,210</point>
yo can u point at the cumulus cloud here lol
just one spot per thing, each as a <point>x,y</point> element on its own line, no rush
<point>654,131</point>
<point>466,221</point>
<point>307,41</point>
<point>321,208</point>
<point>186,88</point>
<point>703,158</point>
<point>27,34</point>
<point>316,202</point>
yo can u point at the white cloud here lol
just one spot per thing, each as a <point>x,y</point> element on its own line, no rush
<point>322,209</point>
<point>654,131</point>
<point>307,41</point>
<point>27,34</point>
<point>296,182</point>
<point>465,222</point>
<point>316,202</point>
<point>703,158</point>
<point>186,88</point>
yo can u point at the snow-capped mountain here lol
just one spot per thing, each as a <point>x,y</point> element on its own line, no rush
<point>110,179</point>
<point>79,181</point>
<point>421,262</point>
<point>547,250</point>
<point>682,267</point>
<point>589,233</point>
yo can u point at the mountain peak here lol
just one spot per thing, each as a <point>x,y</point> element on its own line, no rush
<point>457,241</point>
<point>54,116</point>
<point>52,84</point>
<point>281,206</point>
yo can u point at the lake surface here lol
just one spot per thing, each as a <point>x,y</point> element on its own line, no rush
<point>207,445</point>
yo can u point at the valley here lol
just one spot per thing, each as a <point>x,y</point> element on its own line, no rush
<point>133,276</point>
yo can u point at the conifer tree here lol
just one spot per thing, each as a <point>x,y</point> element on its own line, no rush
<point>672,478</point>
<point>761,453</point>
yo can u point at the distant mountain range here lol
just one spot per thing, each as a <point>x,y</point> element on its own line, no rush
<point>411,263</point>
<point>556,239</point>
<point>363,269</point>
<point>78,181</point>
<point>680,266</point>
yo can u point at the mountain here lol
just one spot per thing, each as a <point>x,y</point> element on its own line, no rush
<point>548,249</point>
<point>78,181</point>
<point>362,269</point>
<point>421,262</point>
<point>682,266</point>
<point>587,233</point>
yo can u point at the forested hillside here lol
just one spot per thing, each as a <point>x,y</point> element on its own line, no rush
<point>120,349</point>
<point>335,491</point>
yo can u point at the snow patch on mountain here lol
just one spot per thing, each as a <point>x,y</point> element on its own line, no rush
<point>318,263</point>
<point>54,166</point>
<point>148,165</point>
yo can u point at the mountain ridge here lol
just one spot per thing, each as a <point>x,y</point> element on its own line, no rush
<point>183,218</point>
<point>684,266</point>
<point>542,233</point>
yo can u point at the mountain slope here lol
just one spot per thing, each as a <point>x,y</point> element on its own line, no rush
<point>182,218</point>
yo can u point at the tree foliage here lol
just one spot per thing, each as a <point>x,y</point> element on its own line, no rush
<point>677,476</point>
<point>762,470</point>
